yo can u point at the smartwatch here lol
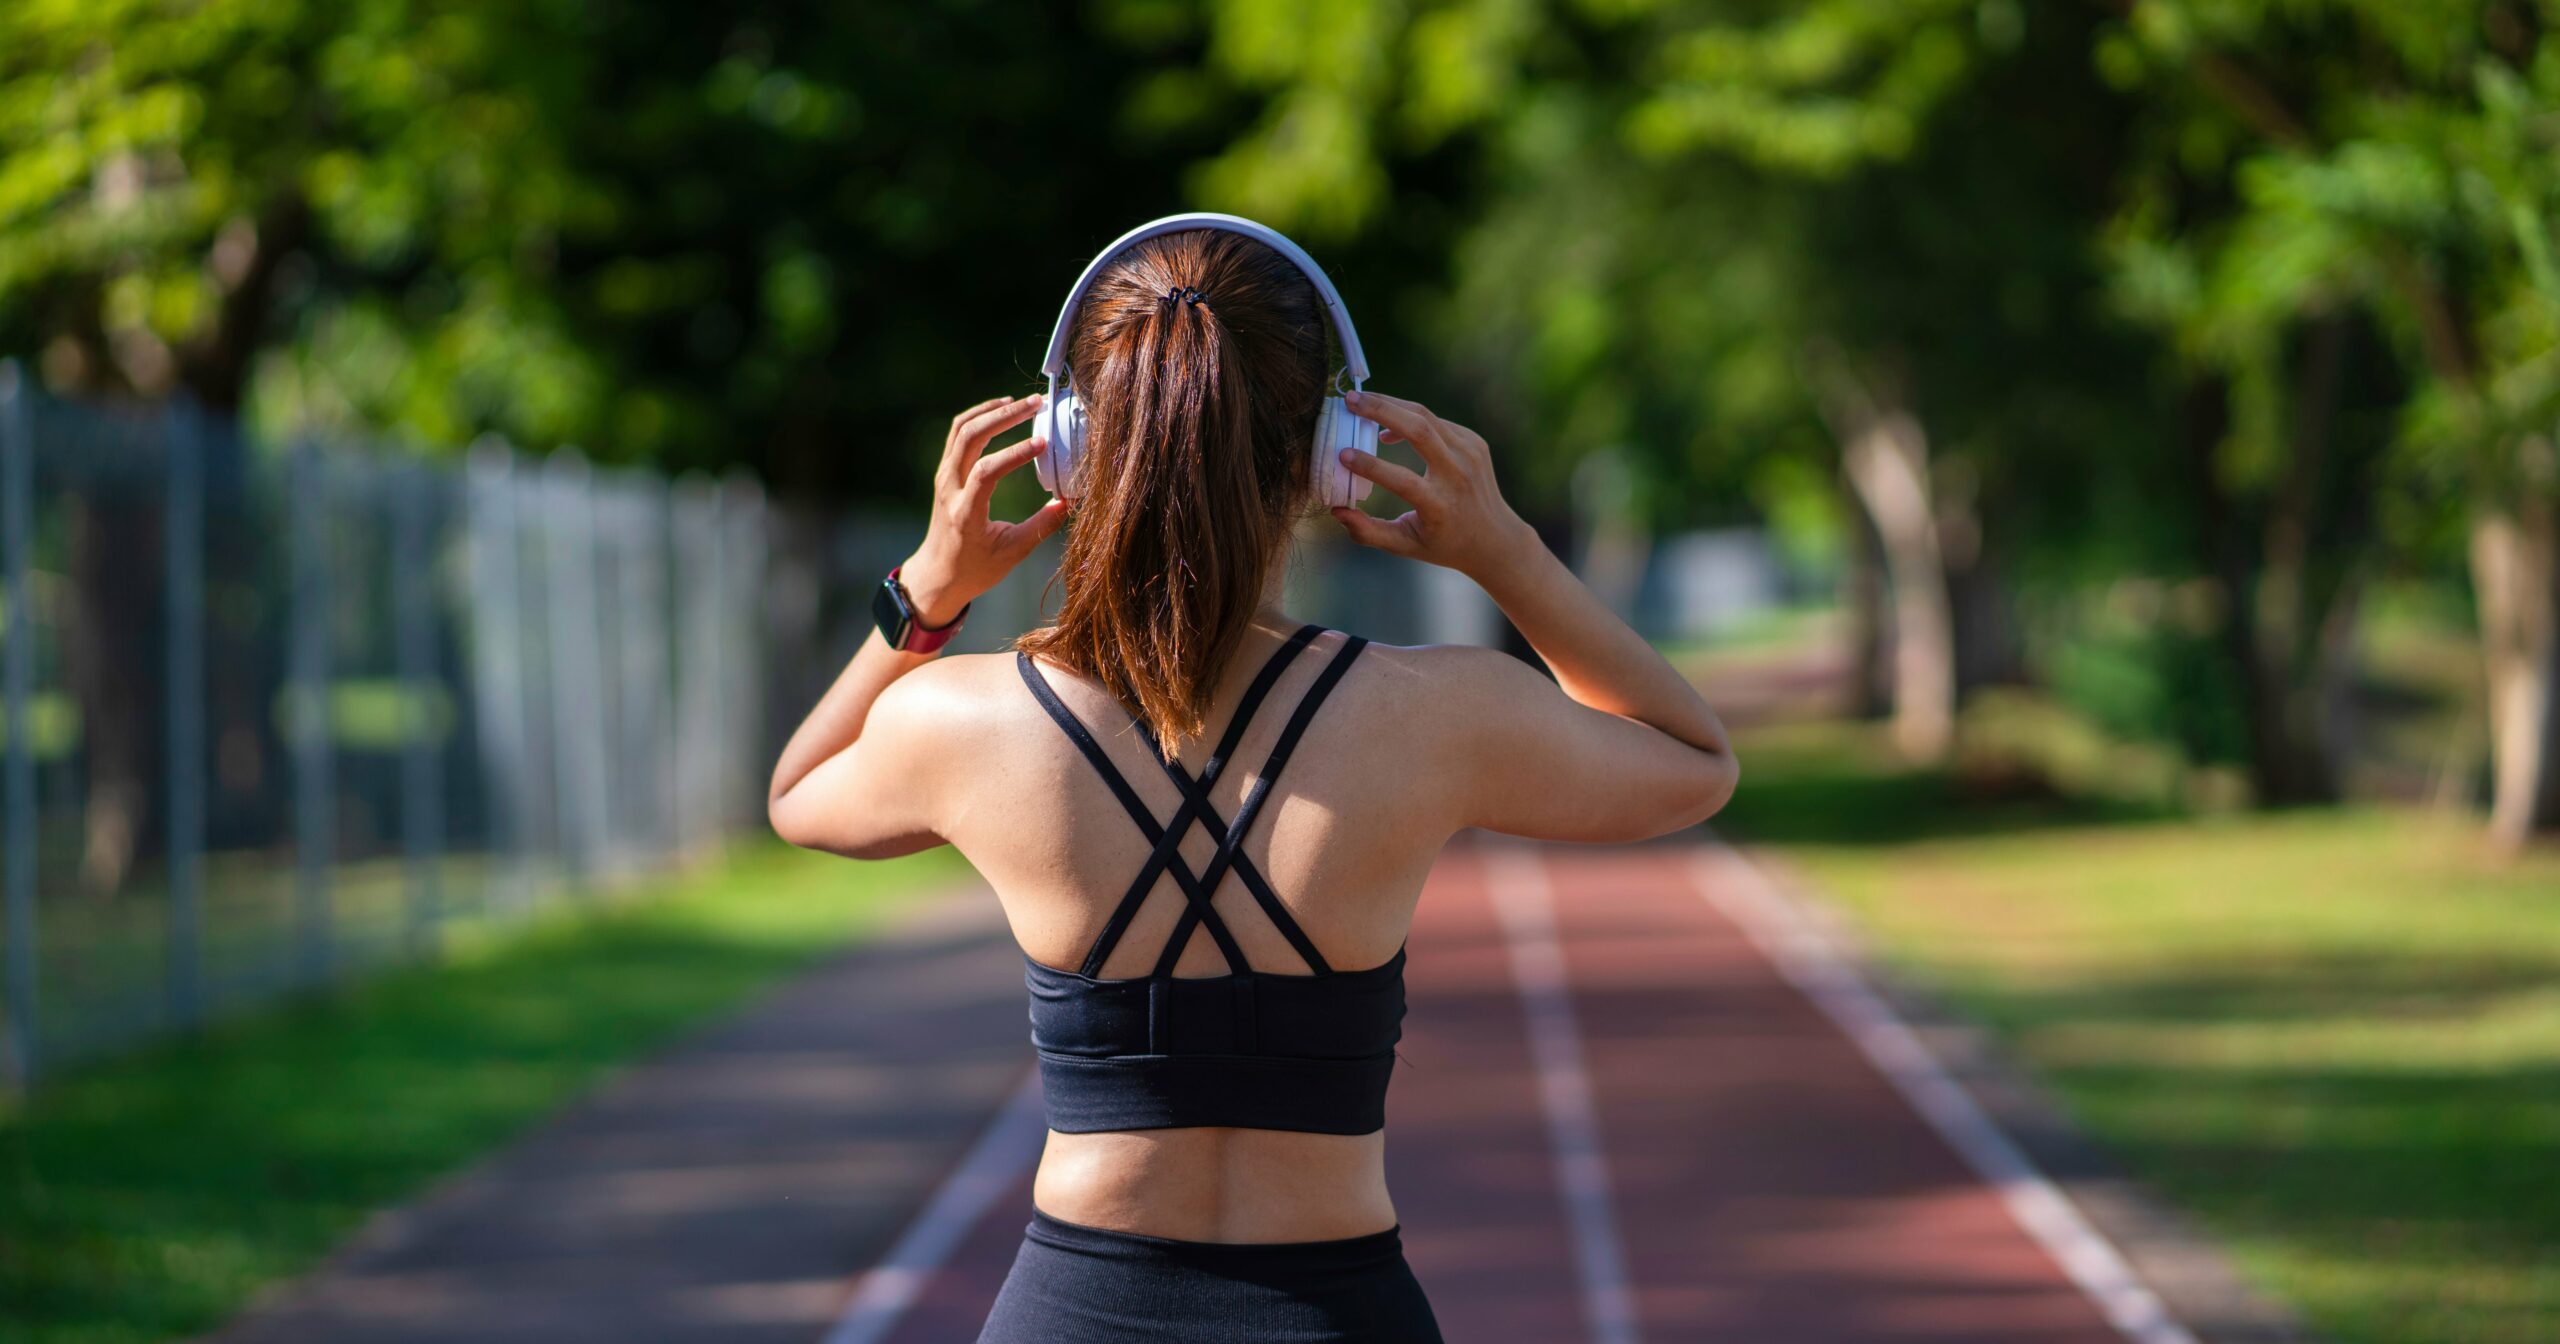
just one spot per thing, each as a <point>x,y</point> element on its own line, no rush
<point>898,623</point>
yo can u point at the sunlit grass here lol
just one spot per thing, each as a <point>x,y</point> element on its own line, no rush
<point>145,1198</point>
<point>1780,629</point>
<point>2333,1035</point>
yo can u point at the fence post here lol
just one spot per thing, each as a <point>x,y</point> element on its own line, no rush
<point>617,569</point>
<point>640,581</point>
<point>314,754</point>
<point>184,696</point>
<point>720,662</point>
<point>497,646</point>
<point>663,625</point>
<point>414,646</point>
<point>544,831</point>
<point>577,703</point>
<point>17,674</point>
<point>601,687</point>
<point>744,672</point>
<point>696,523</point>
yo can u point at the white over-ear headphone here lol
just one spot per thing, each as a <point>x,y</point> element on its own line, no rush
<point>1062,419</point>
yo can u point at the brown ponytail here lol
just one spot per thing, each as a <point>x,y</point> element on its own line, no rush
<point>1200,358</point>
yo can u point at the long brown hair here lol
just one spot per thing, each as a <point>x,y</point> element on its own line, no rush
<point>1200,359</point>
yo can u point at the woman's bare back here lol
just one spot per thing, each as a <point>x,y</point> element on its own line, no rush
<point>1343,841</point>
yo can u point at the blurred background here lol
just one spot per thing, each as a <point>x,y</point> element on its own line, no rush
<point>2101,454</point>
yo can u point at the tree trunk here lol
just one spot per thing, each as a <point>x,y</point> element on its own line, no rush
<point>2515,565</point>
<point>1886,456</point>
<point>115,562</point>
<point>1982,617</point>
<point>243,265</point>
<point>111,652</point>
<point>1989,651</point>
<point>2291,576</point>
<point>2305,599</point>
<point>1862,585</point>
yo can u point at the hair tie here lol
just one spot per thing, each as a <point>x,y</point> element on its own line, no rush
<point>1185,294</point>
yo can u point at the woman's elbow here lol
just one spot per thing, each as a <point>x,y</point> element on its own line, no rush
<point>801,824</point>
<point>1708,789</point>
<point>792,823</point>
<point>834,831</point>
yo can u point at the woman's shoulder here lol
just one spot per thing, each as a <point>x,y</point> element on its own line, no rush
<point>956,691</point>
<point>966,674</point>
<point>1451,665</point>
<point>1458,682</point>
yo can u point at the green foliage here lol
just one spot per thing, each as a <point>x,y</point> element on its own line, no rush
<point>1819,89</point>
<point>772,235</point>
<point>159,163</point>
<point>2400,159</point>
<point>693,235</point>
<point>2099,253</point>
<point>2152,683</point>
<point>1677,202</point>
<point>2255,292</point>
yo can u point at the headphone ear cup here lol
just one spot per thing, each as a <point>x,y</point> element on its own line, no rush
<point>1062,422</point>
<point>1336,429</point>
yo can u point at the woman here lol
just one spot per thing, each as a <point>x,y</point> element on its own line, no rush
<point>1215,1033</point>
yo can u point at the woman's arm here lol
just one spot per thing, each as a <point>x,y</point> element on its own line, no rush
<point>1620,746</point>
<point>828,795</point>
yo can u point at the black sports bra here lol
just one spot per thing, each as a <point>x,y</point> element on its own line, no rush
<point>1247,1049</point>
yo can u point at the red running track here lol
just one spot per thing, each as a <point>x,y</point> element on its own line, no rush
<point>1763,1181</point>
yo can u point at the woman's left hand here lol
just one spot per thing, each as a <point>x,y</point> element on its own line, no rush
<point>966,552</point>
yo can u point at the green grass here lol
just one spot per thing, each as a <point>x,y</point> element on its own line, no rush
<point>1769,630</point>
<point>2333,1035</point>
<point>145,1198</point>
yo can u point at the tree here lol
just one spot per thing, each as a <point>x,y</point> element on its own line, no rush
<point>1709,230</point>
<point>755,234</point>
<point>2288,397</point>
<point>2404,158</point>
<point>694,236</point>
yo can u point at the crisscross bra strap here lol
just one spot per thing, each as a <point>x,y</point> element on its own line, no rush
<point>1195,808</point>
<point>1167,840</point>
<point>1231,848</point>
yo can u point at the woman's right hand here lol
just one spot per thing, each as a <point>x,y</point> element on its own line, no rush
<point>1459,518</point>
<point>965,551</point>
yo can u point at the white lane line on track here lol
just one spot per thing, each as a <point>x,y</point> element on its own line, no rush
<point>1806,958</point>
<point>1008,1147</point>
<point>1525,900</point>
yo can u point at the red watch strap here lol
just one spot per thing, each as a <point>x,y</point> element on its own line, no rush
<point>923,638</point>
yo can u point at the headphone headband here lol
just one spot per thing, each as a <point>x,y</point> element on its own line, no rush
<point>1355,363</point>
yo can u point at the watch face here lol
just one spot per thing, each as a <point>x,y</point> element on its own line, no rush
<point>889,611</point>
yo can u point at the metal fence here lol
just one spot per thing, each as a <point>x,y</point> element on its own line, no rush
<point>275,713</point>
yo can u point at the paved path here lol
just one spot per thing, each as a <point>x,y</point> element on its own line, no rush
<point>722,1193</point>
<point>1616,1120</point>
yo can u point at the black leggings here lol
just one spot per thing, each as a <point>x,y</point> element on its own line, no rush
<point>1073,1284</point>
